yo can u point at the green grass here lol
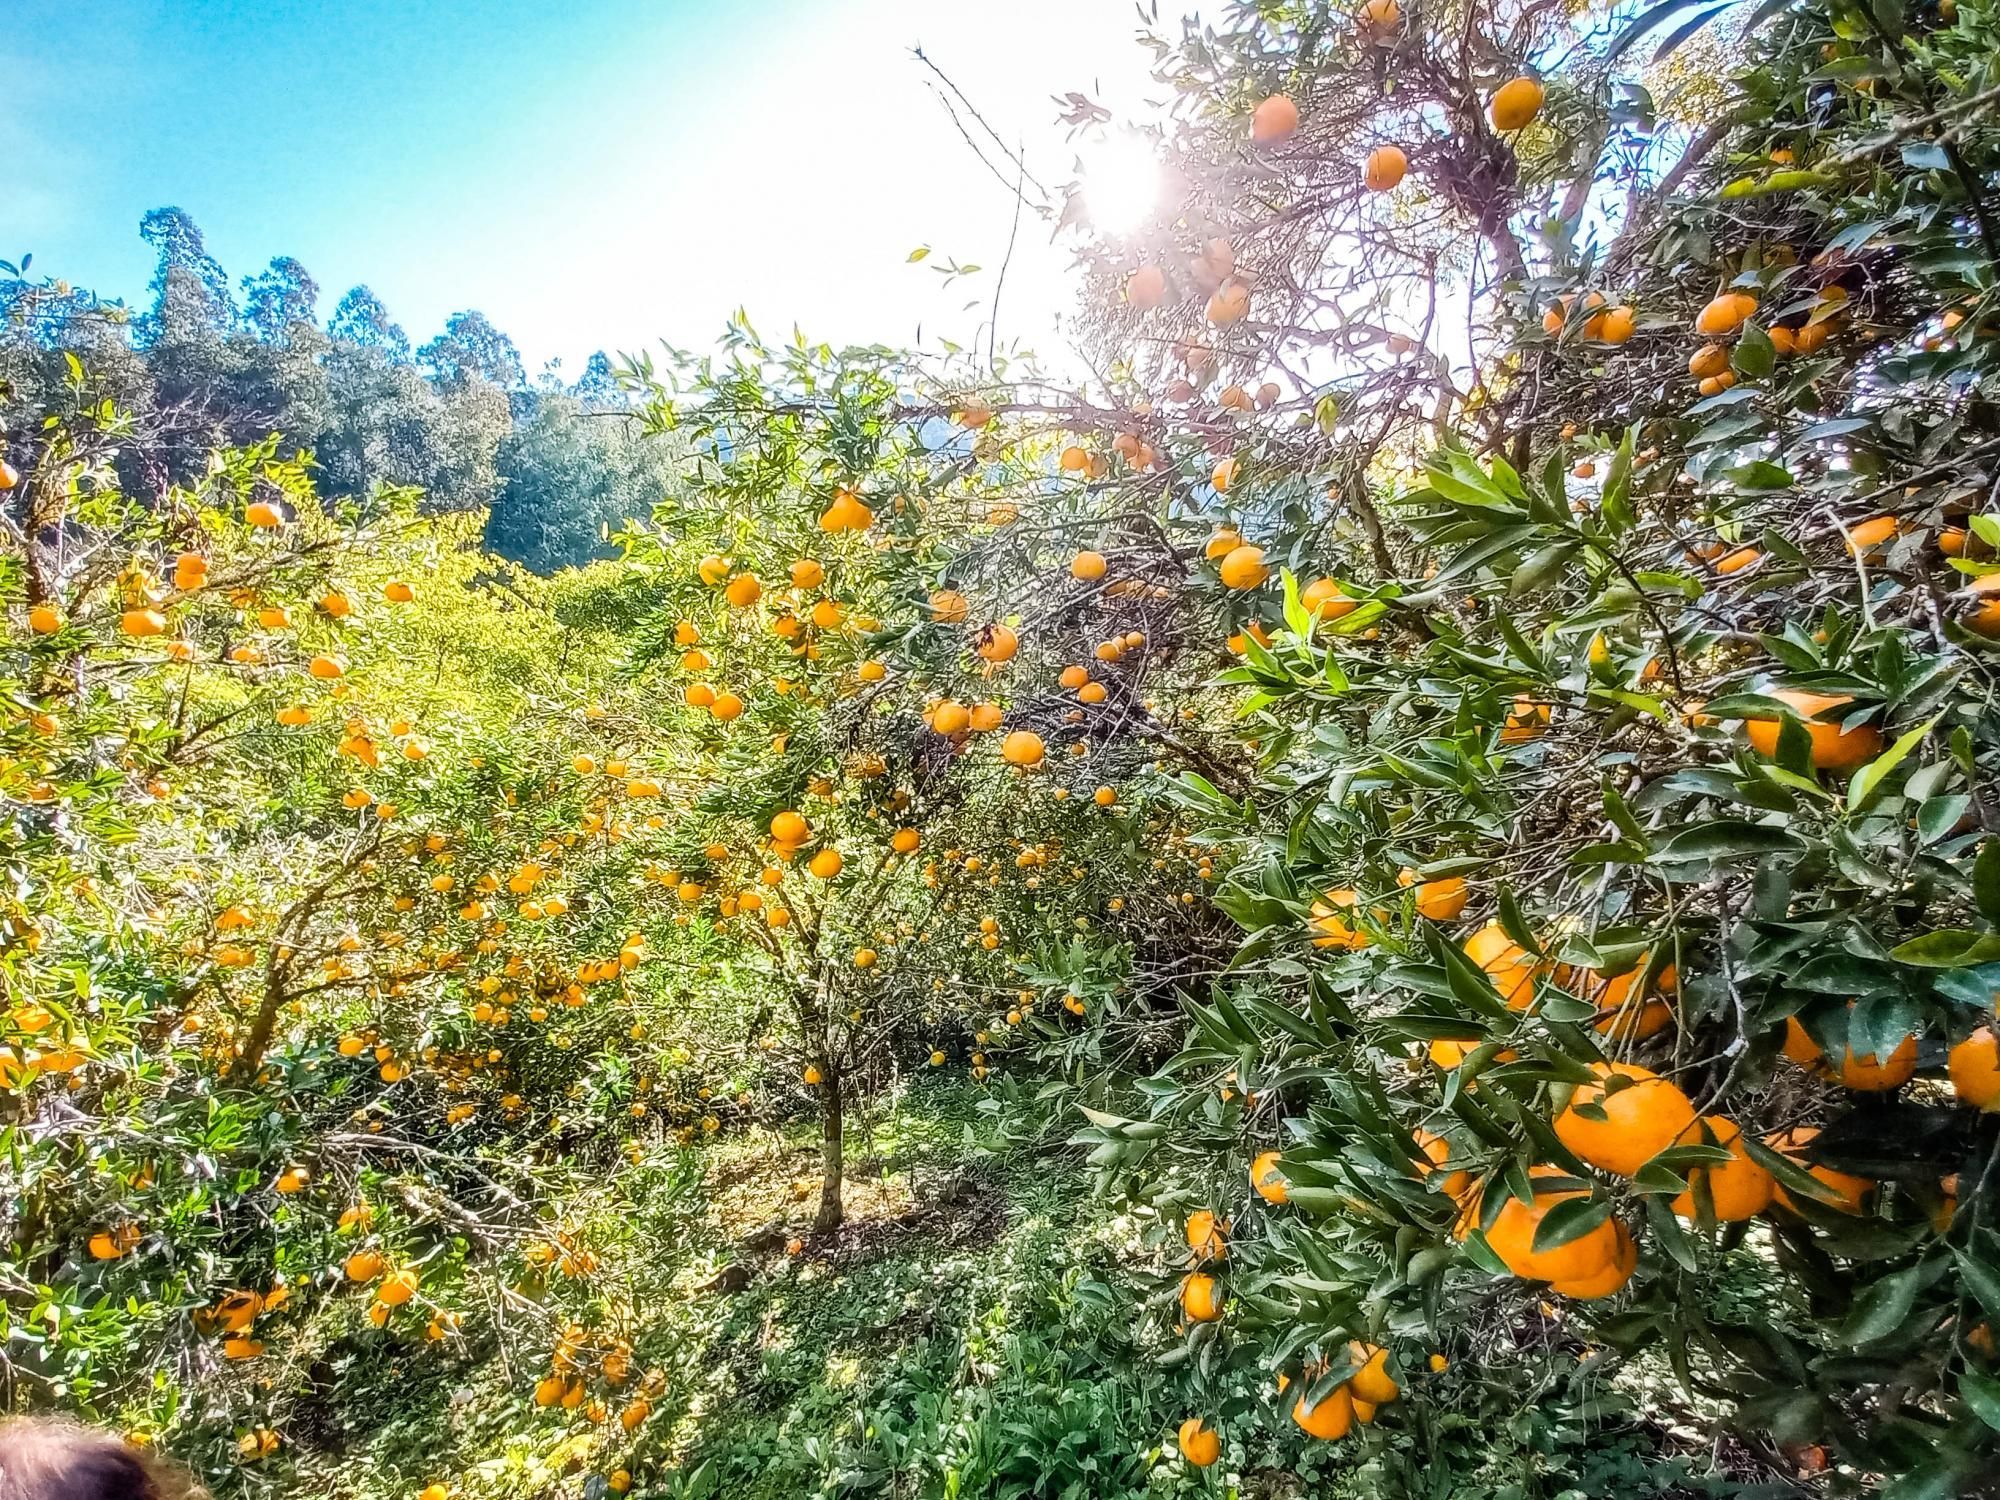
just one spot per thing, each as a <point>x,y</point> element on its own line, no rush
<point>972,1332</point>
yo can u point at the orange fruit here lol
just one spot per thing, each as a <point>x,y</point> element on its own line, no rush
<point>1863,536</point>
<point>1385,168</point>
<point>808,573</point>
<point>1379,17</point>
<point>1244,568</point>
<point>826,864</point>
<point>1975,1069</point>
<point>1628,1014</point>
<point>1207,1236</point>
<point>1145,287</point>
<point>1229,304</point>
<point>1325,599</point>
<point>1200,1300</point>
<point>1273,120</point>
<point>1709,359</point>
<point>1199,1445</point>
<point>1725,314</point>
<point>1089,566</point>
<point>1372,1383</point>
<point>1512,1237</point>
<point>1641,1120</point>
<point>1438,900</point>
<point>397,1287</point>
<point>1866,1075</point>
<point>1739,1189</point>
<point>1833,748</point>
<point>1330,1419</point>
<point>1437,1153</point>
<point>1268,1180</point>
<point>996,643</point>
<point>1852,1191</point>
<point>1023,748</point>
<point>846,513</point>
<point>1332,927</point>
<point>363,1265</point>
<point>1515,104</point>
<point>1510,966</point>
<point>1612,1278</point>
<point>1525,721</point>
<point>949,607</point>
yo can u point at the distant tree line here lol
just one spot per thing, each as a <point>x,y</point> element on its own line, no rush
<point>553,462</point>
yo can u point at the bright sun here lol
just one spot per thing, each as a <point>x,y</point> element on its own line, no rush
<point>1121,182</point>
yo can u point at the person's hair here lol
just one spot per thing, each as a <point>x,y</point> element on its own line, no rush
<point>51,1459</point>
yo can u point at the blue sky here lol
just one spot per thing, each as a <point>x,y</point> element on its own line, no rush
<point>589,173</point>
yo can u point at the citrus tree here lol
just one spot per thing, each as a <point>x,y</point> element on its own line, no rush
<point>322,963</point>
<point>1608,831</point>
<point>925,846</point>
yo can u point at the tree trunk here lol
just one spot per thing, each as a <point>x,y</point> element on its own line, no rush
<point>262,1029</point>
<point>832,1159</point>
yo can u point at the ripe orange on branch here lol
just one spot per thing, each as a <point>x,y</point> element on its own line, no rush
<point>1833,748</point>
<point>1515,104</point>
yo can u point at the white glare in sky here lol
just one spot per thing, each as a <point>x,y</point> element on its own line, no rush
<point>1121,181</point>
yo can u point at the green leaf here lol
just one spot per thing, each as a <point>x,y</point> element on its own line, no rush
<point>1755,357</point>
<point>1948,948</point>
<point>1725,839</point>
<point>1986,879</point>
<point>1882,1306</point>
<point>1870,776</point>
<point>1982,1394</point>
<point>1760,475</point>
<point>1569,1220</point>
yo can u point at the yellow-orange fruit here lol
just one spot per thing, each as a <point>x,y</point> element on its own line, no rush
<point>1641,1119</point>
<point>1023,748</point>
<point>1515,104</point>
<point>1267,1180</point>
<point>1199,1445</point>
<point>1709,359</point>
<point>1833,748</point>
<point>1438,900</point>
<point>1975,1069</point>
<point>1852,1191</point>
<point>1512,1238</point>
<point>1273,120</point>
<point>1617,1271</point>
<point>1723,315</point>
<point>1739,1188</point>
<point>1244,568</point>
<point>1201,1301</point>
<point>1510,966</point>
<point>1385,168</point>
<point>1330,1419</point>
